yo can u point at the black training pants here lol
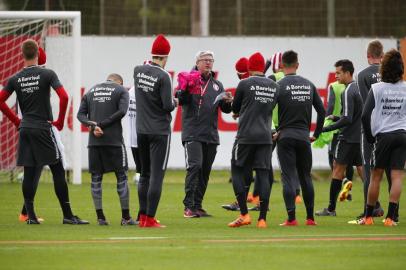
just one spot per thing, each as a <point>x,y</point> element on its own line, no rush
<point>199,158</point>
<point>295,159</point>
<point>154,153</point>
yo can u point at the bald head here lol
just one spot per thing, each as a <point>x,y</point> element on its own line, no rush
<point>114,77</point>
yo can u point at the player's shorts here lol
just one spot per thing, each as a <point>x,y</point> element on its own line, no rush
<point>348,153</point>
<point>256,156</point>
<point>389,151</point>
<point>37,147</point>
<point>103,159</point>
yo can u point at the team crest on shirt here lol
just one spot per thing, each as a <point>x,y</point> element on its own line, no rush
<point>216,87</point>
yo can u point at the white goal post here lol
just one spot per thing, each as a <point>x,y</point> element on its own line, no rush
<point>60,32</point>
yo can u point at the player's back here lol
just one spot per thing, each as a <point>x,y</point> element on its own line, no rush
<point>32,86</point>
<point>255,99</point>
<point>104,101</point>
<point>366,78</point>
<point>153,93</point>
<point>295,104</point>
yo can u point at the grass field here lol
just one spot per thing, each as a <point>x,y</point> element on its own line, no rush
<point>205,243</point>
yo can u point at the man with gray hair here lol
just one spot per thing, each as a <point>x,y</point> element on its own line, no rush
<point>200,133</point>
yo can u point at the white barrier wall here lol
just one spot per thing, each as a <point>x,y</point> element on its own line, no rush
<point>104,55</point>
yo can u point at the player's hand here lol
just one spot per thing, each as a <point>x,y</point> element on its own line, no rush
<point>91,125</point>
<point>330,117</point>
<point>228,97</point>
<point>235,116</point>
<point>98,132</point>
<point>312,139</point>
<point>58,124</point>
<point>176,102</point>
<point>275,136</point>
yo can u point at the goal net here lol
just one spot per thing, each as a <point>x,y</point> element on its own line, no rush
<point>58,33</point>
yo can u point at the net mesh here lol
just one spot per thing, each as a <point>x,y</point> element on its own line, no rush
<point>55,37</point>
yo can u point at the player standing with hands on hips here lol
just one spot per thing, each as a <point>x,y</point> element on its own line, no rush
<point>37,142</point>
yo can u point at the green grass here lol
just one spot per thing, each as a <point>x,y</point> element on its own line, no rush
<point>186,243</point>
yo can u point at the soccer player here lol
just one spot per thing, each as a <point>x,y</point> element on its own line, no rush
<point>241,67</point>
<point>200,136</point>
<point>153,95</point>
<point>335,90</point>
<point>297,97</point>
<point>277,69</point>
<point>348,148</point>
<point>37,143</point>
<point>102,109</point>
<point>254,101</point>
<point>42,58</point>
<point>365,79</point>
<point>384,123</point>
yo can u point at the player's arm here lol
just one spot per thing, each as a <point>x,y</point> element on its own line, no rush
<point>237,102</point>
<point>120,113</point>
<point>366,116</point>
<point>321,113</point>
<point>362,86</point>
<point>63,106</point>
<point>5,109</point>
<point>348,111</point>
<point>167,100</point>
<point>83,113</point>
<point>331,100</point>
<point>63,100</point>
<point>225,103</point>
<point>183,96</point>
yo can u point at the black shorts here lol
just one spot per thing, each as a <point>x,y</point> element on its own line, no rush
<point>389,151</point>
<point>103,159</point>
<point>255,156</point>
<point>37,147</point>
<point>348,153</point>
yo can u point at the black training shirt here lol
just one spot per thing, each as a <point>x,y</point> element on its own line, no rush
<point>255,98</point>
<point>106,104</point>
<point>153,97</point>
<point>296,99</point>
<point>350,121</point>
<point>32,86</point>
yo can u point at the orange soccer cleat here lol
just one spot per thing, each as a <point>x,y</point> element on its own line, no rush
<point>261,224</point>
<point>388,222</point>
<point>24,218</point>
<point>242,220</point>
<point>366,221</point>
<point>298,199</point>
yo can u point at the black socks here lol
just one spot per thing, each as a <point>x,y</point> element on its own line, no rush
<point>335,188</point>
